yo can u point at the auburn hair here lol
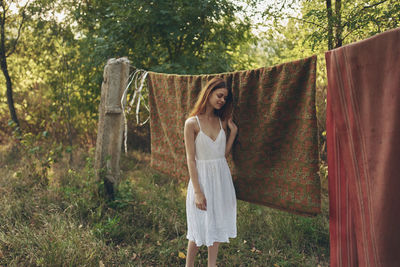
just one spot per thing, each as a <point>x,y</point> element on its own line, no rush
<point>200,107</point>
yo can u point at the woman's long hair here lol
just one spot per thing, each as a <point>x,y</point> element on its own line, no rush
<point>200,107</point>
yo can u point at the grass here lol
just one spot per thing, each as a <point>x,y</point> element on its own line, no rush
<point>54,215</point>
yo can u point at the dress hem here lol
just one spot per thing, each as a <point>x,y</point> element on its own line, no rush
<point>212,242</point>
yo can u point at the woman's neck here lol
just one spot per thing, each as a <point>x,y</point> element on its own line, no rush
<point>209,113</point>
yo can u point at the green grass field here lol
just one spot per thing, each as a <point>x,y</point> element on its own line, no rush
<point>54,215</point>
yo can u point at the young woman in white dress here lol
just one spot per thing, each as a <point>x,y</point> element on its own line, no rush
<point>211,199</point>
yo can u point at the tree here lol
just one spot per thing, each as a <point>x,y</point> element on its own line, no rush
<point>9,22</point>
<point>185,36</point>
<point>50,91</point>
<point>350,21</point>
<point>344,22</point>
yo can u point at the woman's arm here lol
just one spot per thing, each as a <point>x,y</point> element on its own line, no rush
<point>233,128</point>
<point>189,135</point>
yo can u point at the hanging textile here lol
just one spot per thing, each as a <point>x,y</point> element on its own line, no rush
<point>275,157</point>
<point>363,132</point>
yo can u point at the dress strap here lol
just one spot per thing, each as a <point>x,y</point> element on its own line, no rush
<point>220,124</point>
<point>198,121</point>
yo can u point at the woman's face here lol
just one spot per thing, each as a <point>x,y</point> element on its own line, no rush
<point>218,98</point>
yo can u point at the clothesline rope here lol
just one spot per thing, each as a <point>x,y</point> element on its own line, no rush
<point>137,77</point>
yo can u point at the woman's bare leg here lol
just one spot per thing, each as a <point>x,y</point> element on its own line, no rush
<point>212,254</point>
<point>191,253</point>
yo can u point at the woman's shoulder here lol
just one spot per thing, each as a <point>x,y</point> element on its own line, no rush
<point>191,122</point>
<point>191,119</point>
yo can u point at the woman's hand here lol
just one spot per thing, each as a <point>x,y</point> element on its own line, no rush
<point>200,200</point>
<point>232,126</point>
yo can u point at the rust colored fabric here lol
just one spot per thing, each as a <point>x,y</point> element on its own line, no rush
<point>363,131</point>
<point>275,157</point>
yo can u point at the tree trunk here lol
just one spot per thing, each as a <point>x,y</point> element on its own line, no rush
<point>10,100</point>
<point>339,27</point>
<point>3,65</point>
<point>330,27</point>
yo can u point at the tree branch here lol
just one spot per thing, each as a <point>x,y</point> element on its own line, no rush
<point>283,5</point>
<point>6,8</point>
<point>350,32</point>
<point>2,4</point>
<point>361,10</point>
<point>306,21</point>
<point>376,4</point>
<point>19,31</point>
<point>353,30</point>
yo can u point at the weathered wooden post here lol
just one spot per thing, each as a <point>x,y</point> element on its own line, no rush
<point>111,123</point>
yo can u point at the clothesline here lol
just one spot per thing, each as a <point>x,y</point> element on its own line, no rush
<point>137,78</point>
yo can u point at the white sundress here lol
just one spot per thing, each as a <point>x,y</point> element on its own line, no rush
<point>218,222</point>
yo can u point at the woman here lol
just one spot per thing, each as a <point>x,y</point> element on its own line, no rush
<point>211,199</point>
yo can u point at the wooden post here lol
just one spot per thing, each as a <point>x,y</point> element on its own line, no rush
<point>111,123</point>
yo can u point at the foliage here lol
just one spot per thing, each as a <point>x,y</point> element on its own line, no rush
<point>351,20</point>
<point>48,85</point>
<point>166,36</point>
<point>354,21</point>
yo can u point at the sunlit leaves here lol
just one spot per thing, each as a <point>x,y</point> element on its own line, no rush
<point>168,36</point>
